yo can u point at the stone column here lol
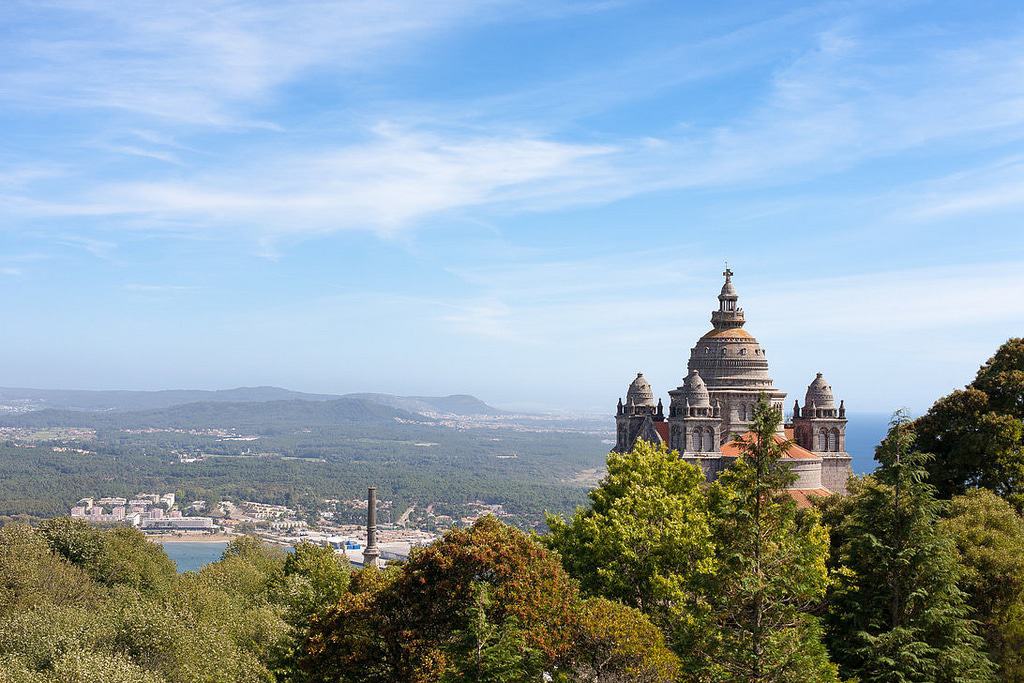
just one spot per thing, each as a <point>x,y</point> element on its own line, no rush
<point>371,556</point>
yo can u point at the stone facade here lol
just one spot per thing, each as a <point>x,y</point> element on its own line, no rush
<point>727,374</point>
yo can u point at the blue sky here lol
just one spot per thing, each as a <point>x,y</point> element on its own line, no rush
<point>528,201</point>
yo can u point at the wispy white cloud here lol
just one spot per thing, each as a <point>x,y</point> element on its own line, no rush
<point>206,63</point>
<point>384,184</point>
<point>833,106</point>
<point>641,303</point>
<point>197,62</point>
<point>992,187</point>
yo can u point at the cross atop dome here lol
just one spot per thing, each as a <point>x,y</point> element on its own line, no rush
<point>729,314</point>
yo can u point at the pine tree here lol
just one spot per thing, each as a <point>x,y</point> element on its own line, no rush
<point>771,572</point>
<point>896,614</point>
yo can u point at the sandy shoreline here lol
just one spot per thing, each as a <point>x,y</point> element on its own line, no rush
<point>204,538</point>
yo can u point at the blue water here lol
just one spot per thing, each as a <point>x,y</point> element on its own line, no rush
<point>191,556</point>
<point>863,432</point>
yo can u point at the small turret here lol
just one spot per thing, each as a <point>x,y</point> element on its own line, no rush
<point>640,407</point>
<point>640,392</point>
<point>819,394</point>
<point>695,391</point>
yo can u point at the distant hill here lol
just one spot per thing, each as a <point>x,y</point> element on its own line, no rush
<point>250,416</point>
<point>458,404</point>
<point>73,399</point>
<point>83,400</point>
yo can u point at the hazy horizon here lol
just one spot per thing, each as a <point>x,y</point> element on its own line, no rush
<point>566,410</point>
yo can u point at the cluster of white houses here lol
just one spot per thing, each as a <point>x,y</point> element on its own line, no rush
<point>148,511</point>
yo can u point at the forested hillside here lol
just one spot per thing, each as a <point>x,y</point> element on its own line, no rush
<point>20,399</point>
<point>254,416</point>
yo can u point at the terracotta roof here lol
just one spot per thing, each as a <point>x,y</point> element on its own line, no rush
<point>662,428</point>
<point>729,332</point>
<point>731,450</point>
<point>803,496</point>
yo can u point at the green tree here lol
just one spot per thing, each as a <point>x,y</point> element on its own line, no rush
<point>613,643</point>
<point>117,557</point>
<point>646,538</point>
<point>315,578</point>
<point>771,573</point>
<point>490,652</point>
<point>895,612</point>
<point>31,575</point>
<point>977,434</point>
<point>989,538</point>
<point>1002,378</point>
<point>82,604</point>
<point>412,625</point>
<point>78,666</point>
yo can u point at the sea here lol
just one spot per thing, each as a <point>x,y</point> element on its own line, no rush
<point>191,556</point>
<point>863,432</point>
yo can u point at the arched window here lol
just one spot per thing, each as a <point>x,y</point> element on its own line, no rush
<point>695,441</point>
<point>822,440</point>
<point>833,440</point>
<point>709,438</point>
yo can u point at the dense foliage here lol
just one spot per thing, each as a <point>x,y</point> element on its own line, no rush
<point>646,539</point>
<point>977,433</point>
<point>77,604</point>
<point>989,538</point>
<point>730,572</point>
<point>896,609</point>
<point>484,604</point>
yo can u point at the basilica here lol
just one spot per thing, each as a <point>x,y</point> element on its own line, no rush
<point>726,375</point>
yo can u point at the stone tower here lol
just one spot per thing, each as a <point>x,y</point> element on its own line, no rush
<point>820,427</point>
<point>636,417</point>
<point>733,365</point>
<point>371,555</point>
<point>694,425</point>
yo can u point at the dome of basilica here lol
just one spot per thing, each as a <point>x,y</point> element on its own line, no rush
<point>640,392</point>
<point>819,394</point>
<point>695,392</point>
